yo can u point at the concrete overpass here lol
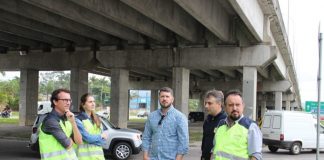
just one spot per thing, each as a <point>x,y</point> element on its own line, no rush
<point>191,46</point>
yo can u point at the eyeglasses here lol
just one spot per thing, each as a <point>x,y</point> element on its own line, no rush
<point>160,121</point>
<point>66,100</point>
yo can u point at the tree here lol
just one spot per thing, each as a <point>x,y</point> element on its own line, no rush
<point>193,104</point>
<point>50,81</point>
<point>10,93</point>
<point>100,88</point>
<point>133,94</point>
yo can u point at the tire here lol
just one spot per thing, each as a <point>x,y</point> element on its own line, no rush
<point>273,149</point>
<point>295,148</point>
<point>122,150</point>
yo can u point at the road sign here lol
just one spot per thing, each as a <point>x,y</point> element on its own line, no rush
<point>311,106</point>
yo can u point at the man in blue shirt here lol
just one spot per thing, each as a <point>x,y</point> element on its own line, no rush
<point>166,134</point>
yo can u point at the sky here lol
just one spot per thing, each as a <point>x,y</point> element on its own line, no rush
<point>302,19</point>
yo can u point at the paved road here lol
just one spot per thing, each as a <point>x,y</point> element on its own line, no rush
<point>11,149</point>
<point>14,148</point>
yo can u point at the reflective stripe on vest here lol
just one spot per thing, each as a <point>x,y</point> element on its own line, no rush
<point>223,155</point>
<point>88,151</point>
<point>57,154</point>
<point>231,143</point>
<point>51,149</point>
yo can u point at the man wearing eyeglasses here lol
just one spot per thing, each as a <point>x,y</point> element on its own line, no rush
<point>58,131</point>
<point>166,134</point>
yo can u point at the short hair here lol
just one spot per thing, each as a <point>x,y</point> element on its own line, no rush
<point>55,93</point>
<point>233,92</point>
<point>219,96</point>
<point>166,89</point>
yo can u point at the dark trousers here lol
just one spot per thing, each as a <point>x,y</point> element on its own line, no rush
<point>205,157</point>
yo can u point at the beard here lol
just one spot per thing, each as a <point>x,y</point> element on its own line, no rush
<point>165,106</point>
<point>234,117</point>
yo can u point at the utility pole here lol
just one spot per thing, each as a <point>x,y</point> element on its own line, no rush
<point>319,91</point>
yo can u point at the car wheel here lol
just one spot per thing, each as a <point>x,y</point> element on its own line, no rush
<point>273,149</point>
<point>295,148</point>
<point>122,150</point>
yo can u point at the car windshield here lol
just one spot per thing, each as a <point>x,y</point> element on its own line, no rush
<point>108,122</point>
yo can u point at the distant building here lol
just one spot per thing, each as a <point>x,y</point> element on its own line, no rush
<point>140,99</point>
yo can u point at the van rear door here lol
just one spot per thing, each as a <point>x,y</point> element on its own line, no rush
<point>272,128</point>
<point>276,127</point>
<point>266,126</point>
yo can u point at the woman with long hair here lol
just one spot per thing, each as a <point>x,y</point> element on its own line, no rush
<point>89,125</point>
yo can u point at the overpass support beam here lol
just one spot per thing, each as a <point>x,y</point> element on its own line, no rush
<point>263,107</point>
<point>119,97</point>
<point>180,85</point>
<point>79,86</point>
<point>28,96</point>
<point>288,105</point>
<point>278,100</point>
<point>154,100</point>
<point>288,98</point>
<point>250,91</point>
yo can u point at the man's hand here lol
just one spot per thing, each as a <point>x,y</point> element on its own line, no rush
<point>104,135</point>
<point>70,116</point>
<point>179,157</point>
<point>145,156</point>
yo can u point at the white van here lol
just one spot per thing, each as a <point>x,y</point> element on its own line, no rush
<point>292,130</point>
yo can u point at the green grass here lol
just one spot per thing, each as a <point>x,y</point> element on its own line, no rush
<point>138,120</point>
<point>14,119</point>
<point>9,121</point>
<point>15,114</point>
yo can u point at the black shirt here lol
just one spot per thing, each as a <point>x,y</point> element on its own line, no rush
<point>210,124</point>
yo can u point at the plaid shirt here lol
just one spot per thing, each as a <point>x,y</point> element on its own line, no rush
<point>168,138</point>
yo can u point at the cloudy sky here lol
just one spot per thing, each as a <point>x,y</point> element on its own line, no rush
<point>302,19</point>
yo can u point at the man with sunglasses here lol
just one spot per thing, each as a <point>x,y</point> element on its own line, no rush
<point>58,131</point>
<point>166,131</point>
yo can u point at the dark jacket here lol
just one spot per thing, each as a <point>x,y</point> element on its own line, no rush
<point>210,124</point>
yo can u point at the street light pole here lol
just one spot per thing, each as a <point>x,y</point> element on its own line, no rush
<point>319,92</point>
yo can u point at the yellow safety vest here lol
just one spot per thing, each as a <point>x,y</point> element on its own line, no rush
<point>88,151</point>
<point>51,149</point>
<point>231,143</point>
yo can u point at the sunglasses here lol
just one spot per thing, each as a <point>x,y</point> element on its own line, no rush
<point>160,121</point>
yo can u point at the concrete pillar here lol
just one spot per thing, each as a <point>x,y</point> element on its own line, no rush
<point>119,97</point>
<point>154,100</point>
<point>28,96</point>
<point>201,101</point>
<point>263,107</point>
<point>250,91</point>
<point>78,86</point>
<point>278,100</point>
<point>288,105</point>
<point>180,85</point>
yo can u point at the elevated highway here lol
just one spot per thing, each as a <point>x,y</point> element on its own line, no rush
<point>191,46</point>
